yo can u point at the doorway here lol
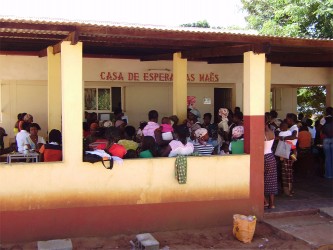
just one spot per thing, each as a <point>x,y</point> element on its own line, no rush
<point>222,99</point>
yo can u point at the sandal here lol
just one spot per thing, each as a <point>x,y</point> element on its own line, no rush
<point>266,205</point>
<point>271,206</point>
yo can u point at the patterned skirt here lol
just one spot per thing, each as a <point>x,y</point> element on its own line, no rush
<point>270,175</point>
<point>287,172</point>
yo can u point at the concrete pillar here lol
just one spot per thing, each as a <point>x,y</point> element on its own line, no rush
<point>54,90</point>
<point>254,109</point>
<point>268,79</point>
<point>179,86</point>
<point>72,89</point>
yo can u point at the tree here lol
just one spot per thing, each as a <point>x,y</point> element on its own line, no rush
<point>295,18</point>
<point>311,100</point>
<point>199,24</point>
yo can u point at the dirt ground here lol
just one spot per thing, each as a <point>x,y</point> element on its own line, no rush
<point>209,238</point>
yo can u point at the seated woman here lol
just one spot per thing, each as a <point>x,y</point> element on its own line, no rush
<point>237,144</point>
<point>201,146</point>
<point>52,151</point>
<point>180,146</point>
<point>128,141</point>
<point>34,141</point>
<point>148,147</point>
<point>112,134</point>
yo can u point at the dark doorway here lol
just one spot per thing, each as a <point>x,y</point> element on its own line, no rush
<point>222,99</point>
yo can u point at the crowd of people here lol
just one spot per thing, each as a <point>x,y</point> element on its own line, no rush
<point>170,138</point>
<point>28,140</point>
<point>304,137</point>
<point>191,137</point>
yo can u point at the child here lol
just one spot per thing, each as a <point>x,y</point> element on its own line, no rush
<point>284,132</point>
<point>166,129</point>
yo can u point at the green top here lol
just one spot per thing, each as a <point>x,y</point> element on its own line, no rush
<point>146,154</point>
<point>237,147</point>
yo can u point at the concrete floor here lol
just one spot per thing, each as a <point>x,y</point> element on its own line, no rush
<point>308,215</point>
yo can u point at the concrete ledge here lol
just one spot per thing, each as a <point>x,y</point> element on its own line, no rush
<point>326,211</point>
<point>274,215</point>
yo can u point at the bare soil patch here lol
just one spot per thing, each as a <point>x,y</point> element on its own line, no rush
<point>265,237</point>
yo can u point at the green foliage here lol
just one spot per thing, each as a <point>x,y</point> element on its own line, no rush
<point>199,24</point>
<point>295,18</point>
<point>104,102</point>
<point>311,100</point>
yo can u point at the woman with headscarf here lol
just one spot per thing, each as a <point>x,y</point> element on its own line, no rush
<point>223,126</point>
<point>201,146</point>
<point>237,141</point>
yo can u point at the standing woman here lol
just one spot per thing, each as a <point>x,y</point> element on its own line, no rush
<point>34,141</point>
<point>270,167</point>
<point>287,164</point>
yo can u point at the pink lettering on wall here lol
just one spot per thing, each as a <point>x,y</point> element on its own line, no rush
<point>156,77</point>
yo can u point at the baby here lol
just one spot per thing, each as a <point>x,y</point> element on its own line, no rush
<point>166,129</point>
<point>284,131</point>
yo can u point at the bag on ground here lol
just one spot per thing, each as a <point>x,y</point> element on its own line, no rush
<point>244,227</point>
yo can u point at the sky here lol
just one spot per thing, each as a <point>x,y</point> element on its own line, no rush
<point>222,13</point>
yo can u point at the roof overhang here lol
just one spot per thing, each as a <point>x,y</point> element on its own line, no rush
<point>147,42</point>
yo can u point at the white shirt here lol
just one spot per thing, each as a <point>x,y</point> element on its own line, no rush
<point>21,139</point>
<point>292,129</point>
<point>32,144</point>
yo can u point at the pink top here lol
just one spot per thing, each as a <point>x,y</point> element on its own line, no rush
<point>150,129</point>
<point>166,128</point>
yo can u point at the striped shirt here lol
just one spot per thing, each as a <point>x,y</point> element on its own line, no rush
<point>203,149</point>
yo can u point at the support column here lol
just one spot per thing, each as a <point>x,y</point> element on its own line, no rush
<point>72,89</point>
<point>268,79</point>
<point>254,108</point>
<point>179,86</point>
<point>54,90</point>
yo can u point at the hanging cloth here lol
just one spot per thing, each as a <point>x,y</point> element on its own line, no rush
<point>181,169</point>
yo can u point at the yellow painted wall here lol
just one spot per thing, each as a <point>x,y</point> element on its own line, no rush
<point>140,98</point>
<point>254,83</point>
<point>140,181</point>
<point>23,96</point>
<point>288,101</point>
<point>300,75</point>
